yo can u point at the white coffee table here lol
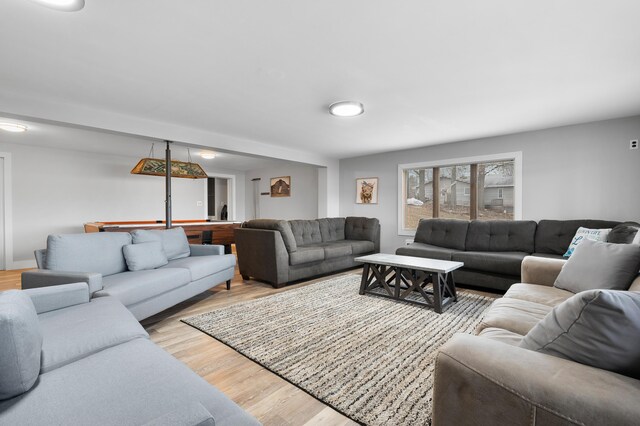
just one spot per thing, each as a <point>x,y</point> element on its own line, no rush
<point>401,276</point>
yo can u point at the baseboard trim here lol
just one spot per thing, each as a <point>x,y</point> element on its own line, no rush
<point>21,264</point>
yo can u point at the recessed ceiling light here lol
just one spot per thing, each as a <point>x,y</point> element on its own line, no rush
<point>63,5</point>
<point>208,155</point>
<point>346,109</point>
<point>13,127</point>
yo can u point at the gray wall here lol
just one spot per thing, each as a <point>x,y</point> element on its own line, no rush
<point>56,191</point>
<point>581,171</point>
<point>303,203</point>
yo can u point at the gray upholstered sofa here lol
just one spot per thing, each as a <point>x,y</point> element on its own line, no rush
<point>148,271</point>
<point>489,379</point>
<point>280,251</point>
<point>492,251</point>
<point>66,359</point>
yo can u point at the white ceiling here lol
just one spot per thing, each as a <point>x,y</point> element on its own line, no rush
<point>69,138</point>
<point>427,71</point>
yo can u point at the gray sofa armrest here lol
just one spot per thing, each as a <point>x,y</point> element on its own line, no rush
<point>483,381</point>
<point>45,278</point>
<point>541,270</point>
<point>47,299</point>
<point>262,255</point>
<point>209,250</point>
<point>193,414</point>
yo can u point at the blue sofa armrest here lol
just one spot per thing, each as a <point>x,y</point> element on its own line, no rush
<point>47,299</point>
<point>45,278</point>
<point>192,414</point>
<point>209,250</point>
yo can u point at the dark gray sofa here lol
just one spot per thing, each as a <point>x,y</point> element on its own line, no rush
<point>66,359</point>
<point>492,251</point>
<point>280,251</point>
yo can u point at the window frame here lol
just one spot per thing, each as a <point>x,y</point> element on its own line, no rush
<point>516,157</point>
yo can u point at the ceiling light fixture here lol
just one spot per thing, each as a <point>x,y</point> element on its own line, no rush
<point>346,109</point>
<point>13,127</point>
<point>208,155</point>
<point>62,5</point>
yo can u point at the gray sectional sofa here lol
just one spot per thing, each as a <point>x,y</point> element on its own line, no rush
<point>66,359</point>
<point>148,271</point>
<point>280,251</point>
<point>492,251</point>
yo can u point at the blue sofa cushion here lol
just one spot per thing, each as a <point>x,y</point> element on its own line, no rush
<point>203,266</point>
<point>128,384</point>
<point>174,241</point>
<point>76,332</point>
<point>136,286</point>
<point>447,233</point>
<point>20,344</point>
<point>332,228</point>
<point>306,231</point>
<point>98,252</point>
<point>143,256</point>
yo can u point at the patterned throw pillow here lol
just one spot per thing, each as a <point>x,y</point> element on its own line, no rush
<point>589,234</point>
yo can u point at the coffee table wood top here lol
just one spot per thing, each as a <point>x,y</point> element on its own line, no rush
<point>411,262</point>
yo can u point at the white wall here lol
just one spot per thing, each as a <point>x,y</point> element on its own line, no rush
<point>303,203</point>
<point>571,172</point>
<point>56,191</point>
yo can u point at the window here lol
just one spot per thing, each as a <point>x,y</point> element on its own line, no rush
<point>482,188</point>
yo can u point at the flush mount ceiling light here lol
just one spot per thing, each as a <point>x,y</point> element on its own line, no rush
<point>346,108</point>
<point>13,127</point>
<point>63,5</point>
<point>208,155</point>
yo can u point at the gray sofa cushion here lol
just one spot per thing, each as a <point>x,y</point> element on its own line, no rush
<point>507,263</point>
<point>281,226</point>
<point>361,228</point>
<point>623,233</point>
<point>128,384</point>
<point>336,249</point>
<point>332,228</point>
<point>82,330</point>
<point>501,235</point>
<point>554,236</point>
<point>203,266</point>
<point>426,250</point>
<point>306,254</point>
<point>598,265</point>
<point>98,252</point>
<point>174,241</point>
<point>361,246</point>
<point>20,344</point>
<point>448,233</point>
<point>135,286</point>
<point>306,231</point>
<point>144,256</point>
<point>596,327</point>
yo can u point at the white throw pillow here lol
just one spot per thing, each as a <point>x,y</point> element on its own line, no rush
<point>588,234</point>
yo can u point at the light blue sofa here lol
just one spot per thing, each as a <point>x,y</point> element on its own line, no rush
<point>148,271</point>
<point>66,359</point>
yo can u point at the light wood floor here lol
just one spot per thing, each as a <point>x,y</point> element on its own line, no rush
<point>272,400</point>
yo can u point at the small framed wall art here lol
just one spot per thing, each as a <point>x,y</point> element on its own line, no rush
<point>367,190</point>
<point>281,186</point>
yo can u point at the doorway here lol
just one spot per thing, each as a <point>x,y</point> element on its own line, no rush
<point>218,205</point>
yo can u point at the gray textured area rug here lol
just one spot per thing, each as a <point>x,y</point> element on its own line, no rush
<point>368,357</point>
